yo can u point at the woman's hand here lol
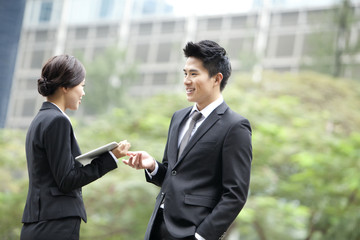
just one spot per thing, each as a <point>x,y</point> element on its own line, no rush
<point>122,149</point>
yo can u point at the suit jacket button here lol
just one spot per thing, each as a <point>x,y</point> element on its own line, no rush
<point>173,172</point>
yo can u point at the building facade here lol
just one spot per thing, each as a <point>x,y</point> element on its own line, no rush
<point>153,36</point>
<point>11,15</point>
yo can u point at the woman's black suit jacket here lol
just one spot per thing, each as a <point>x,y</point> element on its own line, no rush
<point>55,177</point>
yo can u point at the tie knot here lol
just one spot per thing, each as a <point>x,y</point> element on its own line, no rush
<point>196,116</point>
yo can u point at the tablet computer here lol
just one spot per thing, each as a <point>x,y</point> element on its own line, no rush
<point>96,152</point>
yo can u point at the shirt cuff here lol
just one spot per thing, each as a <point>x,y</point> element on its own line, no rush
<point>198,237</point>
<point>115,159</point>
<point>153,173</point>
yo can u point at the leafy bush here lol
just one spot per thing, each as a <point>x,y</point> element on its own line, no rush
<point>304,182</point>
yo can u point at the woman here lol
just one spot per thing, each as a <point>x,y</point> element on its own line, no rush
<point>54,206</point>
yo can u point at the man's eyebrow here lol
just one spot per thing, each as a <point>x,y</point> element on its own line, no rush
<point>191,70</point>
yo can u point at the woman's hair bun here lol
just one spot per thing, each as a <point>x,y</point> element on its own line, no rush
<point>43,87</point>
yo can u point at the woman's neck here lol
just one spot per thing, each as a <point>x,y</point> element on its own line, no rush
<point>57,100</point>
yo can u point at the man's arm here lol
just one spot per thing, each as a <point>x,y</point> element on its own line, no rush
<point>236,166</point>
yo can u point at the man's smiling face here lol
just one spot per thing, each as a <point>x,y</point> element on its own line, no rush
<point>200,87</point>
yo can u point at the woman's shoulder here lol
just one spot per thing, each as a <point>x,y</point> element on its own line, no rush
<point>50,117</point>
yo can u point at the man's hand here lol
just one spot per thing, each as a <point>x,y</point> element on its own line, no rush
<point>140,160</point>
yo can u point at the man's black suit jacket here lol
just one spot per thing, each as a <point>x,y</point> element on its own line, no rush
<point>55,177</point>
<point>206,188</point>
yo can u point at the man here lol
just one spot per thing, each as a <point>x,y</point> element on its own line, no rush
<point>204,185</point>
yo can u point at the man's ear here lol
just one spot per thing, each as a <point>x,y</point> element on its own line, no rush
<point>218,78</point>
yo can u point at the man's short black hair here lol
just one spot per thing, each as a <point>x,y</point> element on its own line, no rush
<point>213,56</point>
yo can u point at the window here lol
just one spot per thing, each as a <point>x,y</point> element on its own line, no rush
<point>238,22</point>
<point>174,78</point>
<point>159,78</point>
<point>289,19</point>
<point>102,32</point>
<point>235,47</point>
<point>167,27</point>
<point>41,36</point>
<point>145,28</point>
<point>164,52</point>
<point>252,21</point>
<point>285,46</point>
<point>240,46</point>
<point>45,11</point>
<point>37,59</point>
<point>142,51</point>
<point>319,17</point>
<point>30,84</point>
<point>202,24</point>
<point>214,24</point>
<point>28,107</point>
<point>81,33</point>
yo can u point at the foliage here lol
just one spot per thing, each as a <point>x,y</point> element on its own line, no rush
<point>304,182</point>
<point>306,149</point>
<point>108,77</point>
<point>331,48</point>
<point>13,182</point>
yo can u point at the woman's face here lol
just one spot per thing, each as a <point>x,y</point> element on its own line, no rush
<point>74,95</point>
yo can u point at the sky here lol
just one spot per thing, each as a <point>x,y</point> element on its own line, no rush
<point>213,7</point>
<point>203,7</point>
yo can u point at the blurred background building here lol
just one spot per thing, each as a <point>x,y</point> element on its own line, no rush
<point>258,35</point>
<point>11,16</point>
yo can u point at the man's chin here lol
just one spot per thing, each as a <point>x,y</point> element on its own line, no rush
<point>190,99</point>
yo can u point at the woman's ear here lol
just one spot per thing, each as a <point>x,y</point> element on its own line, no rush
<point>64,89</point>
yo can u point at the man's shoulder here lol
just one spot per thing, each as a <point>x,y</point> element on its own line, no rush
<point>235,117</point>
<point>183,111</point>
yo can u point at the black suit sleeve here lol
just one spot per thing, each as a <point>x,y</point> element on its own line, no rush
<point>67,174</point>
<point>236,165</point>
<point>158,178</point>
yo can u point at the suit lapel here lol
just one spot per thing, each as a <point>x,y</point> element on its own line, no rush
<point>205,126</point>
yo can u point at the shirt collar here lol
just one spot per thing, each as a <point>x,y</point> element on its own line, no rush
<point>209,108</point>
<point>61,110</point>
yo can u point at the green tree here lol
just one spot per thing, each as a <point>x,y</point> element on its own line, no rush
<point>304,182</point>
<point>13,182</point>
<point>108,79</point>
<point>330,47</point>
<point>306,147</point>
